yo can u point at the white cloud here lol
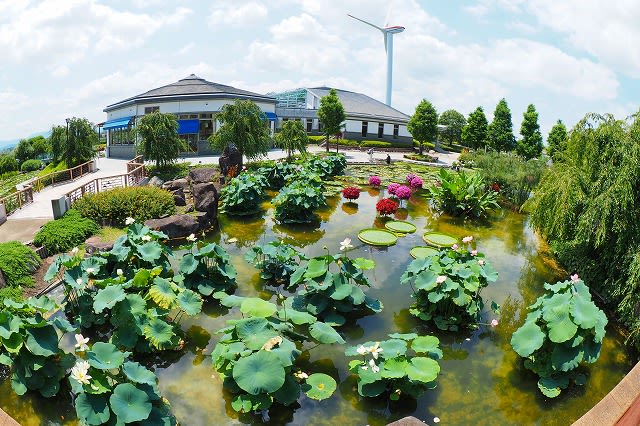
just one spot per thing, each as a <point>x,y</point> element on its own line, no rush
<point>237,13</point>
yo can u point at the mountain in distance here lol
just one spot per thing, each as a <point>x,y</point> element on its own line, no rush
<point>9,144</point>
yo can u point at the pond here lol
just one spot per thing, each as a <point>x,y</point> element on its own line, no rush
<point>481,381</point>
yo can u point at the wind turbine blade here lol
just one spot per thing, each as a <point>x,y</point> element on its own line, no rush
<point>365,22</point>
<point>386,19</point>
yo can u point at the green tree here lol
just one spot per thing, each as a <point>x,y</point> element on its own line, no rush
<point>245,125</point>
<point>40,145</point>
<point>8,163</point>
<point>557,141</point>
<point>331,114</point>
<point>159,139</point>
<point>23,152</point>
<point>500,132</point>
<point>58,140</point>
<point>292,137</point>
<point>423,124</point>
<point>455,122</point>
<point>78,147</point>
<point>474,134</point>
<point>530,146</point>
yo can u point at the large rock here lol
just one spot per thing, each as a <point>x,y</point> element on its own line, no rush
<point>407,421</point>
<point>203,175</point>
<point>95,244</point>
<point>155,181</point>
<point>179,200</point>
<point>230,158</point>
<point>172,185</point>
<point>176,226</point>
<point>205,198</point>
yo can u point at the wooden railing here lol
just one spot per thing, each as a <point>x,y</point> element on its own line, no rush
<point>40,182</point>
<point>18,199</point>
<point>135,173</point>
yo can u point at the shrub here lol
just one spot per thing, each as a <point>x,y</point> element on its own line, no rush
<point>31,165</point>
<point>374,180</point>
<point>17,263</point>
<point>8,164</point>
<point>376,144</point>
<point>563,330</point>
<point>351,193</point>
<point>65,233</point>
<point>421,157</point>
<point>462,194</point>
<point>243,194</point>
<point>113,207</point>
<point>386,207</point>
<point>169,171</point>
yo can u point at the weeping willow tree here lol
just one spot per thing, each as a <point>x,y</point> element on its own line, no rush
<point>588,207</point>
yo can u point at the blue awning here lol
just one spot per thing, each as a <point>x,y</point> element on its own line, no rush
<point>271,116</point>
<point>188,126</point>
<point>117,123</point>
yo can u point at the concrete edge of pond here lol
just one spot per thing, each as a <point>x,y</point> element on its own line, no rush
<point>406,421</point>
<point>621,406</point>
<point>7,420</point>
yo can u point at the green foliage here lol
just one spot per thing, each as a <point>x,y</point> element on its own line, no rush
<point>61,235</point>
<point>57,140</point>
<point>243,195</point>
<point>327,166</point>
<point>277,172</point>
<point>31,165</point>
<point>516,178</point>
<point>17,263</point>
<point>462,194</point>
<point>332,287</point>
<point>169,171</point>
<point>557,141</point>
<point>113,207</point>
<point>23,151</point>
<point>423,124</point>
<point>292,137</point>
<point>406,364</point>
<point>586,206</point>
<point>8,164</point>
<point>110,389</point>
<point>331,114</point>
<point>455,122</point>
<point>530,146</point>
<point>245,125</point>
<point>29,346</point>
<point>563,330</point>
<point>276,260</point>
<point>447,287</point>
<point>159,138</point>
<point>207,269</point>
<point>77,147</point>
<point>500,131</point>
<point>296,202</point>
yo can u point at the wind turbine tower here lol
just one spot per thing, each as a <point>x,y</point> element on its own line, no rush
<point>388,33</point>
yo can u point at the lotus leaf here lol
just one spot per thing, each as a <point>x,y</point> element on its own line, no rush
<point>296,317</point>
<point>138,373</point>
<point>428,345</point>
<point>393,348</point>
<point>566,358</point>
<point>426,280</point>
<point>552,386</point>
<point>394,368</point>
<point>423,369</point>
<point>247,403</point>
<point>108,297</point>
<point>190,302</point>
<point>289,392</point>
<point>372,389</point>
<point>150,251</point>
<point>324,333</point>
<point>247,327</point>
<point>364,264</point>
<point>560,326</point>
<point>188,264</point>
<point>92,409</point>
<point>316,268</point>
<point>403,336</point>
<point>42,341</point>
<point>162,293</point>
<point>158,332</point>
<point>257,340</point>
<point>527,339</point>
<point>584,312</point>
<point>260,372</point>
<point>319,386</point>
<point>105,356</point>
<point>129,403</point>
<point>257,307</point>
<point>14,343</point>
<point>9,324</point>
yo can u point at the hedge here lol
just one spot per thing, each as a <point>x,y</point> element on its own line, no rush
<point>61,235</point>
<point>115,206</point>
<point>17,263</point>
<point>169,171</point>
<point>31,165</point>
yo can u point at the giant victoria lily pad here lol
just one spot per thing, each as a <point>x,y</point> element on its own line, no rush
<point>439,239</point>
<point>422,252</point>
<point>400,226</point>
<point>377,237</point>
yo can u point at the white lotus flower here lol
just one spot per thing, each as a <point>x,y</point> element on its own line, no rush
<point>467,239</point>
<point>129,221</point>
<point>362,350</point>
<point>146,238</point>
<point>191,238</point>
<point>90,271</point>
<point>74,251</point>
<point>365,367</point>
<point>436,419</point>
<point>375,350</point>
<point>119,272</point>
<point>80,372</point>
<point>232,240</point>
<point>79,281</point>
<point>301,375</point>
<point>481,262</point>
<point>373,365</point>
<point>346,244</point>
<point>81,343</point>
<point>441,279</point>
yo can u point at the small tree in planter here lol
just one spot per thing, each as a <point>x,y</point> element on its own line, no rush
<point>351,193</point>
<point>563,330</point>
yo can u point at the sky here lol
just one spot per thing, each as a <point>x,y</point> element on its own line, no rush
<point>66,58</point>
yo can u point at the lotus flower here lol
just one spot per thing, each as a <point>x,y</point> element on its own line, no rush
<point>392,188</point>
<point>375,180</point>
<point>494,322</point>
<point>351,193</point>
<point>80,372</point>
<point>575,278</point>
<point>386,206</point>
<point>403,192</point>
<point>346,244</point>
<point>467,240</point>
<point>373,365</point>
<point>81,343</point>
<point>119,271</point>
<point>191,237</point>
<point>129,221</point>
<point>375,350</point>
<point>441,279</point>
<point>474,252</point>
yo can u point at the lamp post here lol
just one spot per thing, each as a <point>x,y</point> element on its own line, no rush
<point>67,141</point>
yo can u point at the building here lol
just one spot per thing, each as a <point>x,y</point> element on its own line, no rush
<point>367,118</point>
<point>194,101</point>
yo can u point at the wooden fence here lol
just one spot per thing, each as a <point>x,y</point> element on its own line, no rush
<point>135,173</point>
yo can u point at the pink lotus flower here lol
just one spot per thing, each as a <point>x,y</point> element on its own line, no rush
<point>494,322</point>
<point>455,247</point>
<point>481,262</point>
<point>575,278</point>
<point>392,188</point>
<point>441,279</point>
<point>375,180</point>
<point>474,252</point>
<point>403,192</point>
<point>467,240</point>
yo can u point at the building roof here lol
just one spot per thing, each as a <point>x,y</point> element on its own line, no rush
<point>362,106</point>
<point>191,87</point>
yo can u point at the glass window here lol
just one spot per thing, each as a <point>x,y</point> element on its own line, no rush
<point>309,124</point>
<point>149,110</point>
<point>365,130</point>
<point>380,129</point>
<point>183,116</point>
<point>206,129</point>
<point>206,115</point>
<point>396,131</point>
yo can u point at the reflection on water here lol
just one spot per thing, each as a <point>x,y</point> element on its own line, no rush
<point>481,382</point>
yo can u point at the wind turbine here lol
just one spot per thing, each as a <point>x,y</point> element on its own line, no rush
<point>388,33</point>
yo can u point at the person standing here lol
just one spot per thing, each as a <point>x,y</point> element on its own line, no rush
<point>370,152</point>
<point>388,159</point>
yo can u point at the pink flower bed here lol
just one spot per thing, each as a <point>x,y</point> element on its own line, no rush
<point>403,192</point>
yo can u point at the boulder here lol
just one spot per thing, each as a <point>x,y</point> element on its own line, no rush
<point>95,245</point>
<point>176,226</point>
<point>204,220</point>
<point>203,175</point>
<point>188,208</point>
<point>155,181</point>
<point>172,185</point>
<point>407,421</point>
<point>179,200</point>
<point>231,159</point>
<point>205,198</point>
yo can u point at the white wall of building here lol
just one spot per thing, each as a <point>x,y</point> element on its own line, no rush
<point>178,107</point>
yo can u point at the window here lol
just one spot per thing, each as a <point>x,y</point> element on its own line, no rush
<point>320,127</point>
<point>183,116</point>
<point>206,116</point>
<point>380,130</point>
<point>149,110</point>
<point>309,124</point>
<point>206,128</point>
<point>365,128</point>
<point>396,131</point>
<point>122,136</point>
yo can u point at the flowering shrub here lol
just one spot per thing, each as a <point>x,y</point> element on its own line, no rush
<point>446,287</point>
<point>416,182</point>
<point>563,330</point>
<point>392,188</point>
<point>375,180</point>
<point>351,193</point>
<point>410,177</point>
<point>386,206</point>
<point>403,192</point>
<point>406,364</point>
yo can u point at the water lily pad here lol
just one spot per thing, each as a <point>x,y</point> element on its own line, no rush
<point>439,239</point>
<point>319,386</point>
<point>257,307</point>
<point>260,372</point>
<point>129,403</point>
<point>377,237</point>
<point>401,226</point>
<point>422,252</point>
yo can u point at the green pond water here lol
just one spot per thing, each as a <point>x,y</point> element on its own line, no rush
<point>482,382</point>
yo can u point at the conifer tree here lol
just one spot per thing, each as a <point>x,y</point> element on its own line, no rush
<point>557,141</point>
<point>500,132</point>
<point>474,134</point>
<point>530,146</point>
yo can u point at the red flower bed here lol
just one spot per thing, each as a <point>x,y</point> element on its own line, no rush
<point>386,206</point>
<point>351,193</point>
